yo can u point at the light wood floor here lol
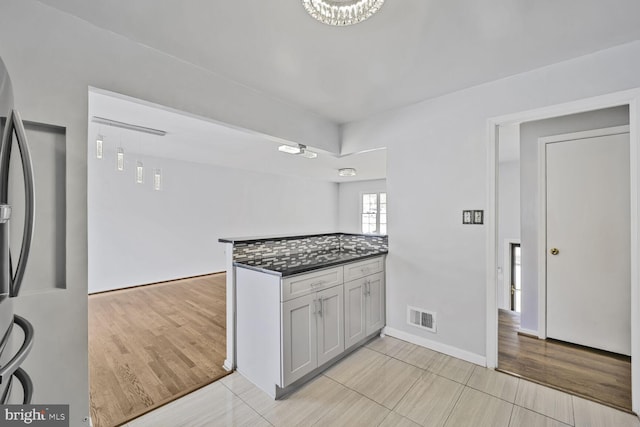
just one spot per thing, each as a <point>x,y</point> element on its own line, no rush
<point>152,344</point>
<point>594,374</point>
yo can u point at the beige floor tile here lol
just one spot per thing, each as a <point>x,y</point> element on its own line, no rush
<point>450,367</point>
<point>353,410</point>
<point>386,384</point>
<point>304,407</point>
<point>356,365</point>
<point>478,409</point>
<point>397,420</point>
<point>259,400</point>
<point>416,356</point>
<point>545,400</point>
<point>593,414</point>
<point>213,405</point>
<point>430,401</point>
<point>521,417</point>
<point>237,383</point>
<point>494,383</point>
<point>389,346</point>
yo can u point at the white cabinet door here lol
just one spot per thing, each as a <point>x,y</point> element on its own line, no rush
<point>354,312</point>
<point>330,323</point>
<point>374,302</point>
<point>299,340</point>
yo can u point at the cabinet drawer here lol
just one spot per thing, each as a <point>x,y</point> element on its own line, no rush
<point>296,286</point>
<point>360,269</point>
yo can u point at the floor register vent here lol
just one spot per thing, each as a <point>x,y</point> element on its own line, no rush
<point>421,318</point>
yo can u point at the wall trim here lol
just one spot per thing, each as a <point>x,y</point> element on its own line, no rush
<point>436,346</point>
<point>529,332</point>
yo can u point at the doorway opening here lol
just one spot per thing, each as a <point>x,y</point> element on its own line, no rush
<point>515,277</point>
<point>533,327</point>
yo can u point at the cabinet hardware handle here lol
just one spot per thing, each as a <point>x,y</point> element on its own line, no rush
<point>314,284</point>
<point>321,301</point>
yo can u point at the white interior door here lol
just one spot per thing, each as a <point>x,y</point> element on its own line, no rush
<point>588,242</point>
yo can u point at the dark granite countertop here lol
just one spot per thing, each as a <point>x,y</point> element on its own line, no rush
<point>288,237</point>
<point>288,265</point>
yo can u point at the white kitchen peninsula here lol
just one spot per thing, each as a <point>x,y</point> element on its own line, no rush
<point>302,303</point>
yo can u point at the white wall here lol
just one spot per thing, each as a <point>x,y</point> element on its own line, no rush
<point>436,167</point>
<point>529,134</point>
<point>350,202</point>
<point>53,58</point>
<point>508,219</point>
<point>139,236</point>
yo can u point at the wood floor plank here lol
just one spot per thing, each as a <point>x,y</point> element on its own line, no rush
<point>152,344</point>
<point>593,374</point>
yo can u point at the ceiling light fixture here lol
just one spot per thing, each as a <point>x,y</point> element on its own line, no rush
<point>342,12</point>
<point>301,149</point>
<point>99,147</point>
<point>289,149</point>
<point>128,126</point>
<point>347,172</point>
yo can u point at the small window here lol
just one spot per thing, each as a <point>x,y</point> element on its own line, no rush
<point>374,213</point>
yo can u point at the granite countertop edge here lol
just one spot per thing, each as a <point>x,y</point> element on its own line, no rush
<point>257,239</point>
<point>291,271</point>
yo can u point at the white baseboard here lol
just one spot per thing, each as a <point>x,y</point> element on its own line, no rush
<point>437,346</point>
<point>227,365</point>
<point>529,332</point>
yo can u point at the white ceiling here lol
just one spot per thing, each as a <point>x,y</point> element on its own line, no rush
<point>194,139</point>
<point>410,51</point>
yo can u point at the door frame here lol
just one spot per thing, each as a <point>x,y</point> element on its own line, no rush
<point>542,213</point>
<point>628,97</point>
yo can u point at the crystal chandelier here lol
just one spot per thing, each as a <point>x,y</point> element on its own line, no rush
<point>342,12</point>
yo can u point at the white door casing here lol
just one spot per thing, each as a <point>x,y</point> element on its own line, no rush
<point>587,224</point>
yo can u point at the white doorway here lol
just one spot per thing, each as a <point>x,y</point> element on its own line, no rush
<point>630,98</point>
<point>585,176</point>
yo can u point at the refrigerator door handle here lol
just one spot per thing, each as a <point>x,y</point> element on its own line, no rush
<point>14,123</point>
<point>27,388</point>
<point>27,385</point>
<point>12,365</point>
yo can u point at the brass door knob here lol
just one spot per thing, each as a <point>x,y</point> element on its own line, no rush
<point>554,251</point>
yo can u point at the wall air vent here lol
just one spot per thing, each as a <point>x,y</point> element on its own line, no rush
<point>421,318</point>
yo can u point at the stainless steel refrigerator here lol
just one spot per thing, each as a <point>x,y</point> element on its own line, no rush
<point>12,267</point>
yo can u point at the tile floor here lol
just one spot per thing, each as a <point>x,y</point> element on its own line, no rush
<point>389,383</point>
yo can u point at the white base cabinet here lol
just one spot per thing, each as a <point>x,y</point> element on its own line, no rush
<point>288,328</point>
<point>364,296</point>
<point>312,335</point>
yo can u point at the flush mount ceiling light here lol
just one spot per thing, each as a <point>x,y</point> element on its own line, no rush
<point>289,149</point>
<point>342,12</point>
<point>300,149</point>
<point>347,172</point>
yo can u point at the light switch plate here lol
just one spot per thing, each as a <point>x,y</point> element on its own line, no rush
<point>467,217</point>
<point>478,217</point>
